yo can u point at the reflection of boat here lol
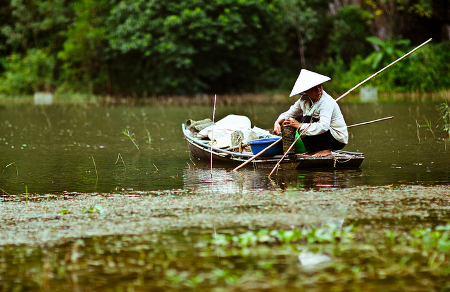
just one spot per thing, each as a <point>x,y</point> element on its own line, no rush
<point>200,149</point>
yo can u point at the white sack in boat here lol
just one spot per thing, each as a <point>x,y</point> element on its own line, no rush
<point>221,131</point>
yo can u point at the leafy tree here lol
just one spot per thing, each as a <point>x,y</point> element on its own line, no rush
<point>27,74</point>
<point>349,32</point>
<point>304,19</point>
<point>195,46</point>
<point>83,55</point>
<point>35,23</point>
<point>387,51</point>
<point>31,34</point>
<point>389,14</point>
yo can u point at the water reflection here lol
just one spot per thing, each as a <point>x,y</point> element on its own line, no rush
<point>225,181</point>
<point>77,149</point>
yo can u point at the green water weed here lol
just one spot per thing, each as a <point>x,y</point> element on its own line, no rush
<point>328,234</point>
<point>149,138</point>
<point>123,162</point>
<point>90,209</point>
<point>12,163</point>
<point>445,117</point>
<point>131,136</point>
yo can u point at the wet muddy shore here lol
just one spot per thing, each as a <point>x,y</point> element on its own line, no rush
<point>49,219</point>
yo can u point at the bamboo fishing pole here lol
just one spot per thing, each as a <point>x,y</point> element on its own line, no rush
<point>393,63</point>
<point>257,155</point>
<point>279,140</point>
<point>289,149</point>
<point>351,126</point>
<point>212,134</point>
<point>370,122</point>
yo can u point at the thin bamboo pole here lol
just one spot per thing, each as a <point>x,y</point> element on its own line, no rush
<point>393,63</point>
<point>289,149</point>
<point>212,134</point>
<point>371,122</point>
<point>257,155</point>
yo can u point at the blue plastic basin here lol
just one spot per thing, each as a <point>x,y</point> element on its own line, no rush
<point>260,144</point>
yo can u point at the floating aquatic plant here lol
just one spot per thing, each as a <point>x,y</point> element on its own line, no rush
<point>329,234</point>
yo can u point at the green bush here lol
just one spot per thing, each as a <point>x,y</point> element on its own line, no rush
<point>27,74</point>
<point>348,35</point>
<point>425,70</point>
<point>195,46</point>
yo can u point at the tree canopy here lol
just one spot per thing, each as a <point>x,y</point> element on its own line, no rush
<point>146,48</point>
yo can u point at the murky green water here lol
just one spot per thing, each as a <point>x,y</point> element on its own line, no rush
<point>66,149</point>
<point>183,241</point>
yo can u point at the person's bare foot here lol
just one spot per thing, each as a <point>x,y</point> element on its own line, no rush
<point>322,153</point>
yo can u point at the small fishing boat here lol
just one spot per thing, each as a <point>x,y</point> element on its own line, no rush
<point>201,149</point>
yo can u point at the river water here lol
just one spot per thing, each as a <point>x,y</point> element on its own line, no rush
<point>58,149</point>
<point>73,217</point>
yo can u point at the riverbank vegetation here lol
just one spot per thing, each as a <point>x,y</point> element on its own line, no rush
<point>136,48</point>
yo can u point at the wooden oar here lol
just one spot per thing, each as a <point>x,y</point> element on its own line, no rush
<point>393,63</point>
<point>258,154</point>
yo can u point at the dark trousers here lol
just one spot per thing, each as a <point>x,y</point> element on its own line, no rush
<point>319,142</point>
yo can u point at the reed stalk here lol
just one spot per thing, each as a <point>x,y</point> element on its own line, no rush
<point>149,137</point>
<point>131,137</point>
<point>95,167</point>
<point>445,117</point>
<point>17,170</point>
<point>123,162</point>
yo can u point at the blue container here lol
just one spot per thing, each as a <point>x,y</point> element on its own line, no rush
<point>261,144</point>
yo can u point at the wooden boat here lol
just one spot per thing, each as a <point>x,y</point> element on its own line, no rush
<point>200,149</point>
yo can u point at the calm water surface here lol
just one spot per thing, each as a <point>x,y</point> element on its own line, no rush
<point>83,149</point>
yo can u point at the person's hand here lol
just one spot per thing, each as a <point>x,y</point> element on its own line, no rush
<point>292,123</point>
<point>277,127</point>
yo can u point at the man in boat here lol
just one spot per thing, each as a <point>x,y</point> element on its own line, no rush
<point>317,112</point>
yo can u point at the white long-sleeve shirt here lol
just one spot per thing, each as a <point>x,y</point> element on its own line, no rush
<point>326,110</point>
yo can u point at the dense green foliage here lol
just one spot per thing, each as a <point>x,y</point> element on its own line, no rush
<point>144,48</point>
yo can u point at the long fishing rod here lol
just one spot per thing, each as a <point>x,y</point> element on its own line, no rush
<point>371,122</point>
<point>393,63</point>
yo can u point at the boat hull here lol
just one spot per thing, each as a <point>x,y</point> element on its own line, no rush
<point>339,159</point>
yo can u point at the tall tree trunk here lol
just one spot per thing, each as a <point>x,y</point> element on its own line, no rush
<point>301,48</point>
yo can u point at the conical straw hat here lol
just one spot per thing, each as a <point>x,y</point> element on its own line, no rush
<point>306,80</point>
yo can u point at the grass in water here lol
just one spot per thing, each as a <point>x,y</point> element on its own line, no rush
<point>17,170</point>
<point>445,117</point>
<point>149,137</point>
<point>95,166</point>
<point>131,137</point>
<point>123,162</point>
